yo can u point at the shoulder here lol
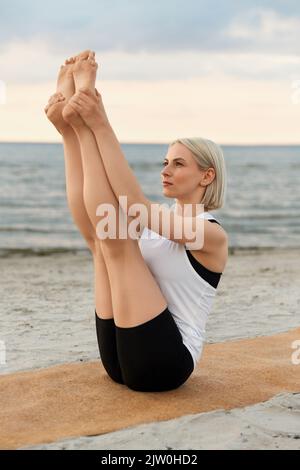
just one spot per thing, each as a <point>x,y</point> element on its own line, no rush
<point>214,254</point>
<point>215,237</point>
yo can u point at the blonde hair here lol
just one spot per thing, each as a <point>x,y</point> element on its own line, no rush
<point>208,154</point>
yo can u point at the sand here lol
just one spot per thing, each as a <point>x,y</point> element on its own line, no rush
<point>271,425</point>
<point>47,318</point>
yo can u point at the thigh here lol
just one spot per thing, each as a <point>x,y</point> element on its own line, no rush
<point>152,356</point>
<point>136,295</point>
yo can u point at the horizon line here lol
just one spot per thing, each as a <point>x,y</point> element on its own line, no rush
<point>244,144</point>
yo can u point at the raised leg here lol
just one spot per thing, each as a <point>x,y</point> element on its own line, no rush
<point>74,186</point>
<point>136,296</point>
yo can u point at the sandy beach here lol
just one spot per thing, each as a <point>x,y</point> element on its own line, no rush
<point>47,318</point>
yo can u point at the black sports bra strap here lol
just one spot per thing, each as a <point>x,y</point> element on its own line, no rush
<point>213,220</point>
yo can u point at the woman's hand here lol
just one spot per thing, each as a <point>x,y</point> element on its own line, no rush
<point>90,107</point>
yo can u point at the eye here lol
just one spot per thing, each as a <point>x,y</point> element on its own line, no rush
<point>177,163</point>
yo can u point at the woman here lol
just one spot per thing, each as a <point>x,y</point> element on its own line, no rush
<point>152,294</point>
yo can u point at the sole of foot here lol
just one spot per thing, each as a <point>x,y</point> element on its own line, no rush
<point>84,73</point>
<point>65,81</point>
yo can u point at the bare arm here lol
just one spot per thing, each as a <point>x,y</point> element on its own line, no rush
<point>165,222</point>
<point>121,177</point>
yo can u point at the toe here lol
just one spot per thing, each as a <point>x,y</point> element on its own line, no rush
<point>83,55</point>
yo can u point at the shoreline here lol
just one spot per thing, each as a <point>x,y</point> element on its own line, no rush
<point>232,251</point>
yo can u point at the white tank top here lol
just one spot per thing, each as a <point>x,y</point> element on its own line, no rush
<point>188,295</point>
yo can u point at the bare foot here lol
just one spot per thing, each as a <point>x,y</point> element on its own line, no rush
<point>84,73</point>
<point>53,111</point>
<point>65,81</point>
<point>82,56</point>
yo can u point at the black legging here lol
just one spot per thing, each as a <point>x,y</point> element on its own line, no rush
<point>150,357</point>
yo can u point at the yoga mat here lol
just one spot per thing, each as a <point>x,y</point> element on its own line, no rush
<point>79,399</point>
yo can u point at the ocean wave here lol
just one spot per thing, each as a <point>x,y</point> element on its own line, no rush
<point>7,252</point>
<point>34,230</point>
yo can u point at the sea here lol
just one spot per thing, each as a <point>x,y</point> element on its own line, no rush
<point>261,210</point>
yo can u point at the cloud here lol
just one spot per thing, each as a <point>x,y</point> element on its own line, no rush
<point>33,62</point>
<point>180,52</point>
<point>266,30</point>
<point>135,26</point>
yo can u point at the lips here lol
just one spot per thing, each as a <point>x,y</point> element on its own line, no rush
<point>166,183</point>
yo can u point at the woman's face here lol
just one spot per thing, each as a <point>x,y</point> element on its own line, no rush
<point>181,169</point>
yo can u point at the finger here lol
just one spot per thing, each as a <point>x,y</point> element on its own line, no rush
<point>84,100</point>
<point>75,106</point>
<point>88,99</point>
<point>55,95</point>
<point>78,100</point>
<point>86,91</point>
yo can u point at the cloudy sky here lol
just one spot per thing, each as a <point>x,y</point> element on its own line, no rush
<point>225,70</point>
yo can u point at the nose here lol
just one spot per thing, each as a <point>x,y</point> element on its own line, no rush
<point>165,171</point>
